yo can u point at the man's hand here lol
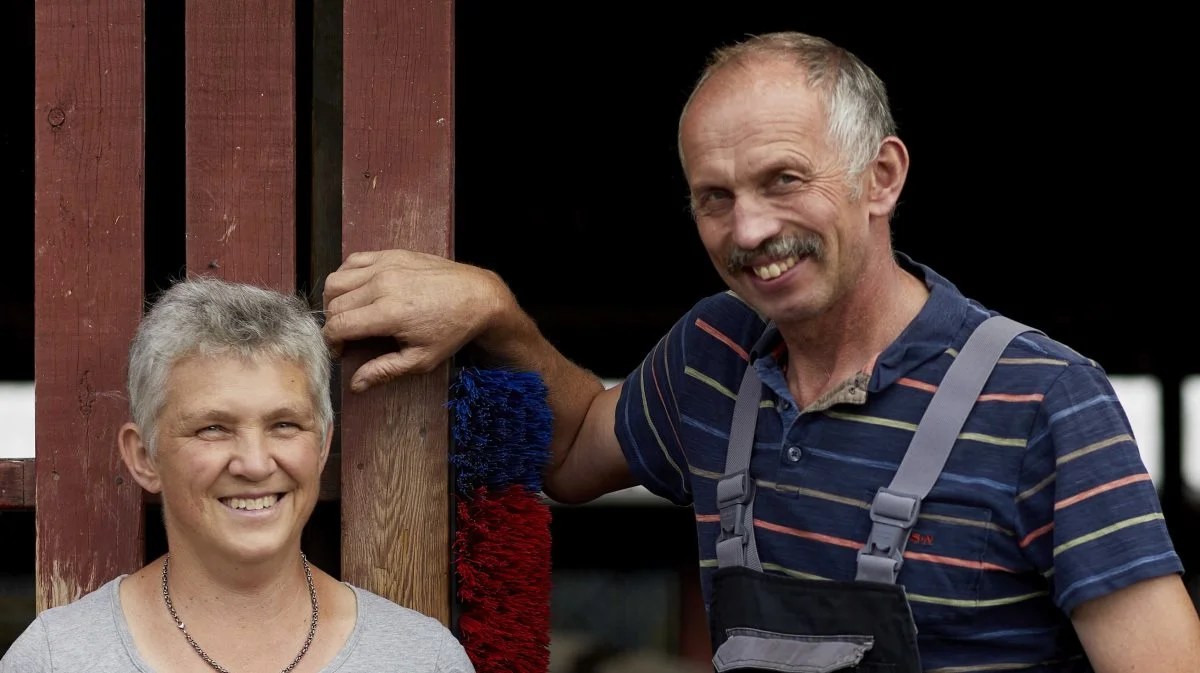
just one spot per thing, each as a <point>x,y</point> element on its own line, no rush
<point>430,305</point>
<point>433,307</point>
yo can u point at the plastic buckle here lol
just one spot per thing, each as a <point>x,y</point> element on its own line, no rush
<point>878,568</point>
<point>735,488</point>
<point>894,515</point>
<point>734,493</point>
<point>895,509</point>
<point>887,541</point>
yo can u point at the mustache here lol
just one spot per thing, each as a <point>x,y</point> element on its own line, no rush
<point>779,247</point>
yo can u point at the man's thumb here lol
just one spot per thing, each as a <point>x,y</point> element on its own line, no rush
<point>389,367</point>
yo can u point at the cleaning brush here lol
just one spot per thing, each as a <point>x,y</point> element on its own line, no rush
<point>501,427</point>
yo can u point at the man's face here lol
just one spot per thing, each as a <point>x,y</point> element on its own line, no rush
<point>239,456</point>
<point>769,191</point>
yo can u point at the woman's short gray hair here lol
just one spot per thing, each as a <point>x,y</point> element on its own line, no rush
<point>207,316</point>
<point>859,116</point>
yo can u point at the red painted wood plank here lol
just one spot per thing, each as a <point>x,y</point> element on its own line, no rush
<point>397,181</point>
<point>88,169</point>
<point>241,140</point>
<point>16,483</point>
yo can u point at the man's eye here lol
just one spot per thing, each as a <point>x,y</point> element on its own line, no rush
<point>712,199</point>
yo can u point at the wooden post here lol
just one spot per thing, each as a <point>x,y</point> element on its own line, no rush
<point>241,140</point>
<point>88,168</point>
<point>16,484</point>
<point>397,185</point>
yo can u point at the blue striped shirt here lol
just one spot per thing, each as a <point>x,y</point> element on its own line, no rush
<point>1043,504</point>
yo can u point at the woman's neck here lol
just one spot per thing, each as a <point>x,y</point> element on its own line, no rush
<point>220,602</point>
<point>203,589</point>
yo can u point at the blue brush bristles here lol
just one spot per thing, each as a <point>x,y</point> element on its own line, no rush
<point>502,436</point>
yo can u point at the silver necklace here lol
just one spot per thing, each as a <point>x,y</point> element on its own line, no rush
<point>312,628</point>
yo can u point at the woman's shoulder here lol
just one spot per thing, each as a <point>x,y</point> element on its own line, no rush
<point>388,630</point>
<point>83,631</point>
<point>375,608</point>
<point>89,609</point>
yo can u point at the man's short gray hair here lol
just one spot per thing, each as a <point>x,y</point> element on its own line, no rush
<point>206,317</point>
<point>856,102</point>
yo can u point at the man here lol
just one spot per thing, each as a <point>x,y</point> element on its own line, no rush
<point>783,411</point>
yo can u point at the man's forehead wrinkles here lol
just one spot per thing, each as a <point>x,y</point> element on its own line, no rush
<point>750,163</point>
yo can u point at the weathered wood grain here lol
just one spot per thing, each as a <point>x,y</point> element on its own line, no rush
<point>240,112</point>
<point>397,182</point>
<point>88,171</point>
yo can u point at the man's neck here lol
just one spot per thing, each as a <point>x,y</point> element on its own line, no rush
<point>834,346</point>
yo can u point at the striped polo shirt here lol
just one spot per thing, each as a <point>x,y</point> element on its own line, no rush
<point>1043,504</point>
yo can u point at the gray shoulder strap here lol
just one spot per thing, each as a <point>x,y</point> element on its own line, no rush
<point>896,507</point>
<point>735,490</point>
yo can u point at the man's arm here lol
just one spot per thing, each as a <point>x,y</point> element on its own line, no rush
<point>586,459</point>
<point>1089,519</point>
<point>432,307</point>
<point>1149,626</point>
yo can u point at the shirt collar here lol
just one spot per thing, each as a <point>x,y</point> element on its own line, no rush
<point>935,329</point>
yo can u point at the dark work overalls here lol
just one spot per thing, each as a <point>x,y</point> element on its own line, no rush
<point>781,624</point>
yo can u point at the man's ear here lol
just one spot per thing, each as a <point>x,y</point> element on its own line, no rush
<point>887,174</point>
<point>136,456</point>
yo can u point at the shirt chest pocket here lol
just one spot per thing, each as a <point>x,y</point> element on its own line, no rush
<point>945,563</point>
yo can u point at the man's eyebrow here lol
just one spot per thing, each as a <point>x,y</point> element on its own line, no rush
<point>784,163</point>
<point>705,185</point>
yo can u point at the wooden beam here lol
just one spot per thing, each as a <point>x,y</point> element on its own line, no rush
<point>88,167</point>
<point>17,483</point>
<point>241,140</point>
<point>397,181</point>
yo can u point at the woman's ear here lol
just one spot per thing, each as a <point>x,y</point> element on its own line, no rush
<point>328,444</point>
<point>137,458</point>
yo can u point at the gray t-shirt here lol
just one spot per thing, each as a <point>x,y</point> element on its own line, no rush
<point>90,635</point>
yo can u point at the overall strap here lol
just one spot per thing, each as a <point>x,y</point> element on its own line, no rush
<point>735,490</point>
<point>896,507</point>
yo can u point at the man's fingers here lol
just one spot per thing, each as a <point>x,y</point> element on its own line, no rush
<point>342,281</point>
<point>389,367</point>
<point>358,260</point>
<point>361,296</point>
<point>359,323</point>
<point>400,257</point>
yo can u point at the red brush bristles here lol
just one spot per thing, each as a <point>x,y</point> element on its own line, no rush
<point>502,558</point>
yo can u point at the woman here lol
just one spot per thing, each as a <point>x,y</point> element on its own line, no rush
<point>232,424</point>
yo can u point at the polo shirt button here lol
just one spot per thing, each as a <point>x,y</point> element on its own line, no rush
<point>784,405</point>
<point>793,454</point>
